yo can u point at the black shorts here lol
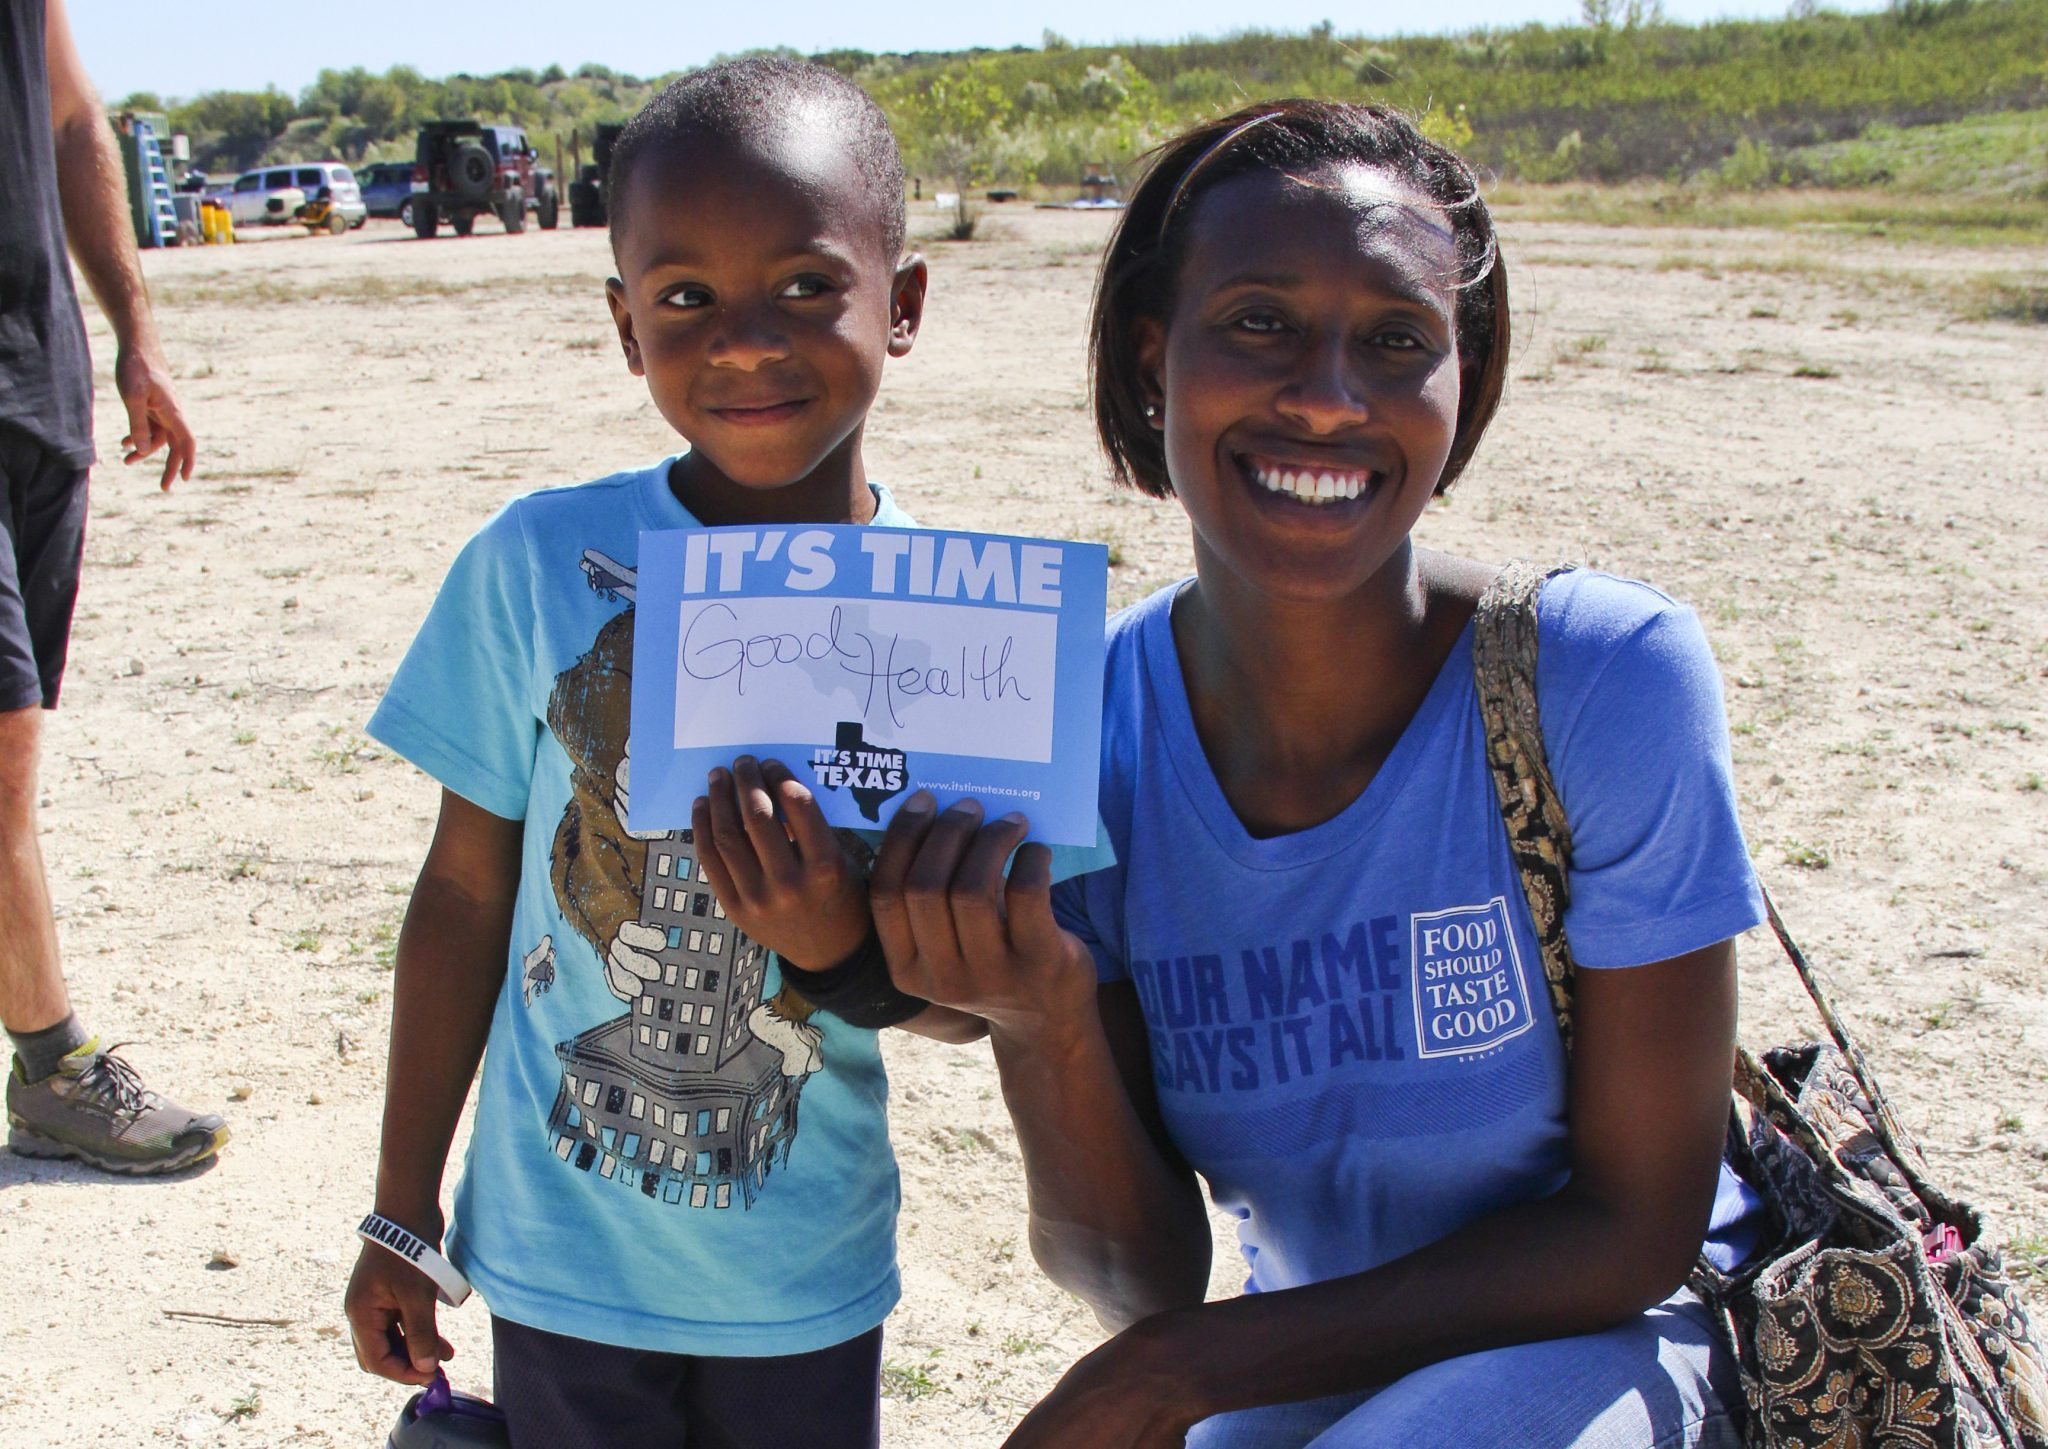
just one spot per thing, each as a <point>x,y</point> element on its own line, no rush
<point>44,520</point>
<point>565,1393</point>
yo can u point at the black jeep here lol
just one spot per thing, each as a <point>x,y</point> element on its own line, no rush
<point>587,200</point>
<point>465,168</point>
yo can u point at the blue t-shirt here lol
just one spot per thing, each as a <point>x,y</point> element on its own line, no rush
<point>1350,1032</point>
<point>679,1157</point>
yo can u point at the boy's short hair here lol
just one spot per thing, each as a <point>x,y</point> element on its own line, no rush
<point>744,100</point>
<point>1141,266</point>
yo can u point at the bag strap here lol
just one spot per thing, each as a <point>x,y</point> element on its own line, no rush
<point>1539,836</point>
<point>1504,637</point>
<point>1895,1137</point>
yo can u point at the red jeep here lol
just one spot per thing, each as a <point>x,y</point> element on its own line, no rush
<point>465,168</point>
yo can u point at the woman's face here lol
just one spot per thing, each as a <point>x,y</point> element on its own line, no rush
<point>1307,374</point>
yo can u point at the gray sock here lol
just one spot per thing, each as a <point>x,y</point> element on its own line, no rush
<point>41,1051</point>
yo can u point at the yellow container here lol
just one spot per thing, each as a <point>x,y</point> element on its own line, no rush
<point>216,223</point>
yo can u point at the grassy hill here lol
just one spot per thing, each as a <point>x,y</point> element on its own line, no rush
<point>1871,100</point>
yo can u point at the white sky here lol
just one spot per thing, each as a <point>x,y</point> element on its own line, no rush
<point>201,45</point>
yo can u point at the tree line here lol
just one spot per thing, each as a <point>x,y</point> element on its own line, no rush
<point>1624,94</point>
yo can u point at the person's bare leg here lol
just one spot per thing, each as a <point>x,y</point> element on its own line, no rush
<point>32,995</point>
<point>74,1099</point>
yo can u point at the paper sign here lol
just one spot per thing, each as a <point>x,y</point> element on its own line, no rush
<point>873,662</point>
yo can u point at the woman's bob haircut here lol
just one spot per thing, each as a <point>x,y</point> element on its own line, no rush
<point>1290,137</point>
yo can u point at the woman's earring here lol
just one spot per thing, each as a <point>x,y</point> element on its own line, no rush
<point>1152,413</point>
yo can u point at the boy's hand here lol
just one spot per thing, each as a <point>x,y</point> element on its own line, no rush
<point>778,869</point>
<point>390,1306</point>
<point>958,934</point>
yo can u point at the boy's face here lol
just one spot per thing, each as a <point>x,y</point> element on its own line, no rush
<point>757,298</point>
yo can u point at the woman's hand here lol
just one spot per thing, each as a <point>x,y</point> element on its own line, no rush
<point>778,869</point>
<point>1127,1394</point>
<point>1116,1217</point>
<point>957,933</point>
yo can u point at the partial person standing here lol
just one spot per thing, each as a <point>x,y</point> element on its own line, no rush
<point>61,182</point>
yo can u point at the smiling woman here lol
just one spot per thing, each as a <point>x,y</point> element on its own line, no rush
<point>1143,271</point>
<point>1310,350</point>
<point>1312,978</point>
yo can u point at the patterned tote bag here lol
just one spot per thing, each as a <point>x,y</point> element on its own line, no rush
<point>1874,1314</point>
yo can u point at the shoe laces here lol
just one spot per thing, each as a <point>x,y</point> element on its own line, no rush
<point>110,1079</point>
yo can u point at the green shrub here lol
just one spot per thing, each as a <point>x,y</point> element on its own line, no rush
<point>1450,128</point>
<point>1749,167</point>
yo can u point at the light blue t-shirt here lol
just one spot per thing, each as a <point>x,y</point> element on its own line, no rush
<point>680,1158</point>
<point>1349,1028</point>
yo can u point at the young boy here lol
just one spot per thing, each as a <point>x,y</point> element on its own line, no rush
<point>671,1251</point>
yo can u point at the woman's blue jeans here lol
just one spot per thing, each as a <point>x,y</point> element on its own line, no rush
<point>1656,1382</point>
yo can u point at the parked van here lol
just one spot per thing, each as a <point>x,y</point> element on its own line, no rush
<point>271,195</point>
<point>387,188</point>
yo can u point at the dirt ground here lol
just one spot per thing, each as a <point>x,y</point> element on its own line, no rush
<point>1793,431</point>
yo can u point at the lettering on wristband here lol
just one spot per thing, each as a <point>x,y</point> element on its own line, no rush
<point>449,1283</point>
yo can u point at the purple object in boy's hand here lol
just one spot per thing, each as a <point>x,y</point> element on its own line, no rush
<point>440,1418</point>
<point>438,1399</point>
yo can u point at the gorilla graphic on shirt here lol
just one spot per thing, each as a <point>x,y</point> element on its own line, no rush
<point>691,1093</point>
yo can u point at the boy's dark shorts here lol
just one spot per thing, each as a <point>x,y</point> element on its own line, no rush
<point>566,1393</point>
<point>43,518</point>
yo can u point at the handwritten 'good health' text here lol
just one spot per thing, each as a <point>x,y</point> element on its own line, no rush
<point>938,678</point>
<point>714,649</point>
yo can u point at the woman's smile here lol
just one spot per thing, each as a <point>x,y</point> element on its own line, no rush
<point>1317,485</point>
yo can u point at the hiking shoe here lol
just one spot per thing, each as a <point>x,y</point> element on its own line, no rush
<point>95,1108</point>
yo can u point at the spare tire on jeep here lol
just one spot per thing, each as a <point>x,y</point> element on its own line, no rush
<point>471,171</point>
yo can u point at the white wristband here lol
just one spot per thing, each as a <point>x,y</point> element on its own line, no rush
<point>449,1284</point>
